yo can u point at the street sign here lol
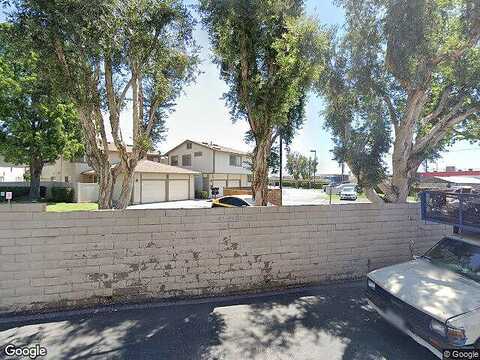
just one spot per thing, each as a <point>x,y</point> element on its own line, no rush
<point>8,195</point>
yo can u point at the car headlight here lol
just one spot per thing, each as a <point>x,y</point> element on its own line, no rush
<point>438,327</point>
<point>371,284</point>
<point>456,336</point>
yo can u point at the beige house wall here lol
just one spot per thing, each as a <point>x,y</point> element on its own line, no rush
<point>51,260</point>
<point>206,163</point>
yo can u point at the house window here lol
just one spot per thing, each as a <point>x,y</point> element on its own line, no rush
<point>186,160</point>
<point>198,154</point>
<point>174,160</point>
<point>189,145</point>
<point>235,160</point>
<point>66,179</point>
<point>249,178</point>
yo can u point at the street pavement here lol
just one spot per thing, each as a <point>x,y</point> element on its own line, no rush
<point>329,322</point>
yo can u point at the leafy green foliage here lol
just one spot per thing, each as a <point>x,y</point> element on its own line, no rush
<point>199,194</point>
<point>62,195</point>
<point>21,192</point>
<point>106,55</point>
<point>403,78</point>
<point>268,53</point>
<point>36,125</point>
<point>300,166</point>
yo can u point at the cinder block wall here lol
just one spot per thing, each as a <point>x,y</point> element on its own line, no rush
<point>66,259</point>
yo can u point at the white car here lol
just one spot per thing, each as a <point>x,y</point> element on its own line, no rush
<point>435,299</point>
<point>349,193</point>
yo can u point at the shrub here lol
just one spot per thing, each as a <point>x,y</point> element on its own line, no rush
<point>60,194</point>
<point>303,184</point>
<point>201,194</point>
<point>21,192</point>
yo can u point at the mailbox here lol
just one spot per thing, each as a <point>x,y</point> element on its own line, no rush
<point>215,191</point>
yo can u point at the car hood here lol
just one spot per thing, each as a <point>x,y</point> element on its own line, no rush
<point>436,291</point>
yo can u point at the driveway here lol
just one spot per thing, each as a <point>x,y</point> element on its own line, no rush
<point>329,322</point>
<point>293,196</point>
<point>290,197</point>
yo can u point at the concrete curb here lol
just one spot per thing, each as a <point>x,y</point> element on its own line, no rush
<point>14,319</point>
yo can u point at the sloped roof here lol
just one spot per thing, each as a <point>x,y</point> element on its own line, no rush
<point>113,148</point>
<point>147,166</point>
<point>211,146</point>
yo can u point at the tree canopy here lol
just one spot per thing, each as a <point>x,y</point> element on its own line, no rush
<point>106,53</point>
<point>403,79</point>
<point>268,53</point>
<point>36,125</point>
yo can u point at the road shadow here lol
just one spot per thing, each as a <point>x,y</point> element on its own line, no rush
<point>331,323</point>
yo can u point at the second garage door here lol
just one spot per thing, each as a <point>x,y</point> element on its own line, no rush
<point>153,191</point>
<point>178,190</point>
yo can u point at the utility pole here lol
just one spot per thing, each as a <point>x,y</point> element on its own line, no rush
<point>281,170</point>
<point>315,165</point>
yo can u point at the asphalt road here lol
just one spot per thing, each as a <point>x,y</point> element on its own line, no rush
<point>331,322</point>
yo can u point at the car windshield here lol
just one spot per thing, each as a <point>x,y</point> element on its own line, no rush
<point>458,256</point>
<point>349,189</point>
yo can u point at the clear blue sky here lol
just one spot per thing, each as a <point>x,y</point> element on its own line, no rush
<point>202,115</point>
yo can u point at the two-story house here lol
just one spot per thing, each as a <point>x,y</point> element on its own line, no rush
<point>154,180</point>
<point>220,166</point>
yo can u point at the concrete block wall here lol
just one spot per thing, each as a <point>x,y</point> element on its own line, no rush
<point>51,260</point>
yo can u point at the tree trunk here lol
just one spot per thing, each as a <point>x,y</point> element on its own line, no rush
<point>36,167</point>
<point>372,196</point>
<point>260,168</point>
<point>106,182</point>
<point>127,187</point>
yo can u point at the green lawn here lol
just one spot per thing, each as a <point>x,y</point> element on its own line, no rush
<point>63,207</point>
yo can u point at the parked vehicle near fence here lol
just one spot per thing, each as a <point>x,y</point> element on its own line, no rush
<point>230,202</point>
<point>435,299</point>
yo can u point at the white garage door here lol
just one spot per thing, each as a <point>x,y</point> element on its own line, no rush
<point>178,190</point>
<point>233,183</point>
<point>220,184</point>
<point>153,191</point>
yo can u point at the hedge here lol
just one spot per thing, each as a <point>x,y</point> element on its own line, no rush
<point>201,194</point>
<point>19,192</point>
<point>60,194</point>
<point>304,184</point>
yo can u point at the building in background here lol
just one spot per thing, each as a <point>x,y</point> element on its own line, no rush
<point>11,173</point>
<point>450,178</point>
<point>219,166</point>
